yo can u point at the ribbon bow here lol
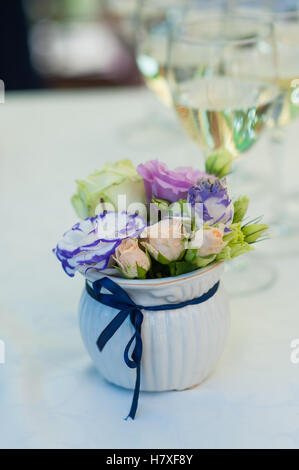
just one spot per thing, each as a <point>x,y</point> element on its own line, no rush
<point>121,301</point>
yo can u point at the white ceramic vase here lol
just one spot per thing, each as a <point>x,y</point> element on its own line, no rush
<point>180,347</point>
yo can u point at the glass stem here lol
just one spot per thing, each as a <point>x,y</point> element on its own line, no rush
<point>277,148</point>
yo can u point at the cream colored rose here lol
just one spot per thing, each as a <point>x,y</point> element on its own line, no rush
<point>165,238</point>
<point>128,255</point>
<point>211,240</point>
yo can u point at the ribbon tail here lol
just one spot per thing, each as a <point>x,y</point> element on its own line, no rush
<point>110,329</point>
<point>134,405</point>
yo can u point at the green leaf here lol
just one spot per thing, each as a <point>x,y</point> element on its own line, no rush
<point>181,267</point>
<point>148,257</point>
<point>224,254</point>
<point>121,272</point>
<point>178,206</point>
<point>202,261</point>
<point>161,204</point>
<point>170,208</point>
<point>235,235</point>
<point>181,255</point>
<point>256,220</point>
<point>193,225</point>
<point>158,270</point>
<point>141,272</point>
<point>219,163</point>
<point>172,268</point>
<point>229,237</point>
<point>240,209</point>
<point>191,254</point>
<point>162,259</point>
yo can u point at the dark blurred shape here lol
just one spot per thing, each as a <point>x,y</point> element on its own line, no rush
<point>79,53</point>
<point>62,44</point>
<point>73,45</point>
<point>15,64</point>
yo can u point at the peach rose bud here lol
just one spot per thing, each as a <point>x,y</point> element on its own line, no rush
<point>212,241</point>
<point>165,239</point>
<point>129,257</point>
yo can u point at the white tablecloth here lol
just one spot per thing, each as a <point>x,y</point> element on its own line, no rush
<point>50,393</point>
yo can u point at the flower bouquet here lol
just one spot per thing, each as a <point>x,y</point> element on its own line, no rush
<point>151,244</point>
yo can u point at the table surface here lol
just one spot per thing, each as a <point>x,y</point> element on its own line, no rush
<point>50,393</point>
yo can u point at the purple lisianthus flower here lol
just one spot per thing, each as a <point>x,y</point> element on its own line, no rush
<point>162,183</point>
<point>90,243</point>
<point>215,204</point>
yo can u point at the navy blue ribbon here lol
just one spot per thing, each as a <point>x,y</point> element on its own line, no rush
<point>120,300</point>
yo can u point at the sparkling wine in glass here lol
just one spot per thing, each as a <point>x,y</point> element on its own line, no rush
<point>221,97</point>
<point>224,112</point>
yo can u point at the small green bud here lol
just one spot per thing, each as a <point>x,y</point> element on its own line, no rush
<point>253,232</point>
<point>219,163</point>
<point>202,261</point>
<point>240,209</point>
<point>239,249</point>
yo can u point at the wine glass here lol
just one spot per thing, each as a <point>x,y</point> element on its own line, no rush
<point>221,96</point>
<point>155,18</point>
<point>285,225</point>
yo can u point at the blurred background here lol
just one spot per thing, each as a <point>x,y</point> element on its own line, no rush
<point>76,100</point>
<point>66,44</point>
<point>75,43</point>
